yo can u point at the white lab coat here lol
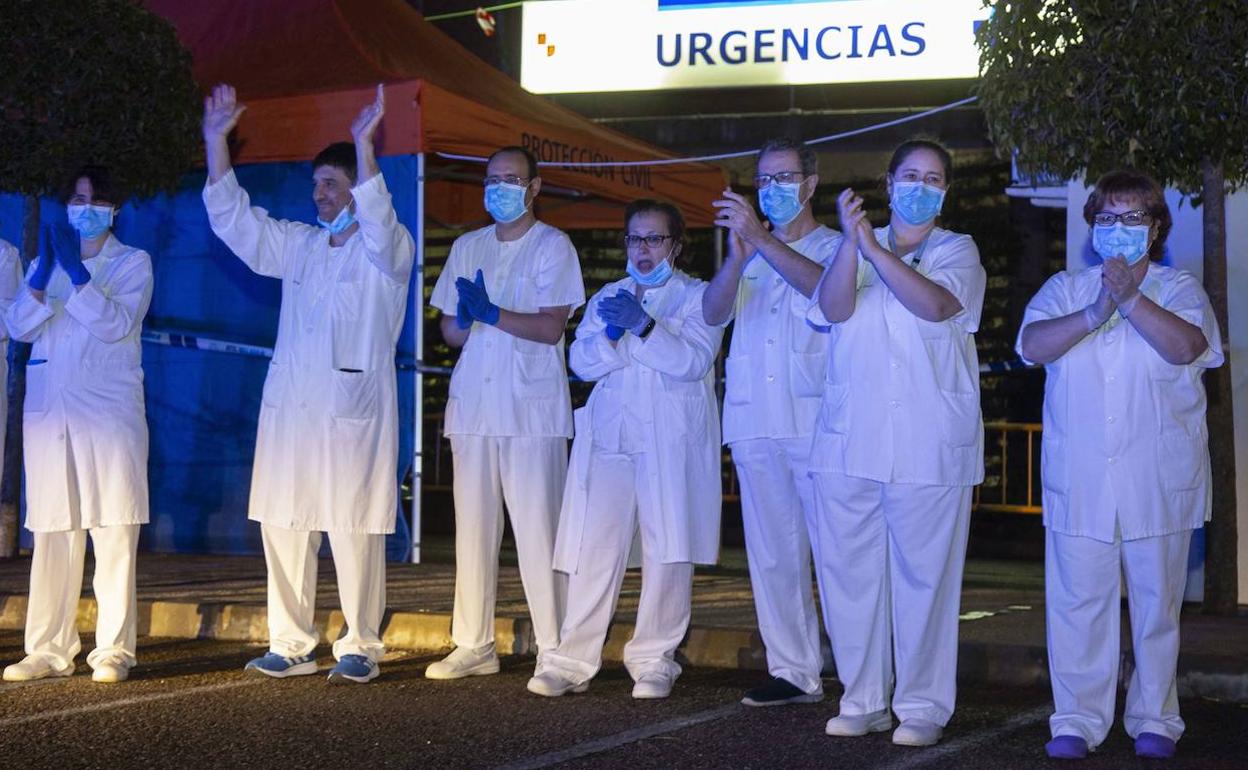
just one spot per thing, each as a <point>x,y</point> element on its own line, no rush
<point>504,385</point>
<point>660,388</point>
<point>1125,449</point>
<point>84,429</point>
<point>327,444</point>
<point>10,284</point>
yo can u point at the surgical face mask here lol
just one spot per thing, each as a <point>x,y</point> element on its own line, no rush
<point>780,202</point>
<point>917,202</point>
<point>1128,241</point>
<point>657,276</point>
<point>345,219</point>
<point>90,221</point>
<point>505,202</point>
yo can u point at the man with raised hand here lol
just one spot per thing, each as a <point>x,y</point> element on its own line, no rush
<point>327,444</point>
<point>775,371</point>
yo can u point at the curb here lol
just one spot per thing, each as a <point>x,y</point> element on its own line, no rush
<point>1220,677</point>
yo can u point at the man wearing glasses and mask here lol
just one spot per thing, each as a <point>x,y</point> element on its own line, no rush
<point>506,294</point>
<point>775,370</point>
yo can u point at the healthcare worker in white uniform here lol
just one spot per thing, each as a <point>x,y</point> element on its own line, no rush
<point>506,293</point>
<point>84,432</point>
<point>897,449</point>
<point>774,374</point>
<point>646,457</point>
<point>327,441</point>
<point>1125,465</point>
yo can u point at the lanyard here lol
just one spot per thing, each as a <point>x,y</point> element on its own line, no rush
<point>918,253</point>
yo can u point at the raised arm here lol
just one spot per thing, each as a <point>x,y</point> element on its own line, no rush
<point>838,289</point>
<point>387,243</point>
<point>721,293</point>
<point>737,214</point>
<point>221,114</point>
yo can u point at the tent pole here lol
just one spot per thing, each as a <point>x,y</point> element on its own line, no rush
<point>418,320</point>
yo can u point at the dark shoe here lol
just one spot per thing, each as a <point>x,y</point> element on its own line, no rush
<point>779,692</point>
<point>1067,747</point>
<point>1154,746</point>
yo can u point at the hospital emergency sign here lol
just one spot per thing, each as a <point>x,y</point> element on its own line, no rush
<point>644,45</point>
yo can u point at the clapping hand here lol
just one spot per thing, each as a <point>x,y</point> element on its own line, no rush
<point>221,112</point>
<point>477,300</point>
<point>1120,280</point>
<point>623,310</point>
<point>67,251</point>
<point>737,215</point>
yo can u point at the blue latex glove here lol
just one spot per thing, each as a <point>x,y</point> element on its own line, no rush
<point>477,299</point>
<point>623,310</point>
<point>68,252</point>
<point>42,273</point>
<point>614,332</point>
<point>463,319</point>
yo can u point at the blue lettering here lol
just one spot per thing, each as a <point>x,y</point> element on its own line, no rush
<point>819,43</point>
<point>736,54</point>
<point>920,43</point>
<point>699,44</point>
<point>853,42</point>
<point>676,54</point>
<point>760,44</point>
<point>801,48</point>
<point>881,42</point>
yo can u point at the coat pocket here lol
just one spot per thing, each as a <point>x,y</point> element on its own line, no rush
<point>354,395</point>
<point>274,385</point>
<point>806,373</point>
<point>36,388</point>
<point>834,411</point>
<point>1053,473</point>
<point>738,389</point>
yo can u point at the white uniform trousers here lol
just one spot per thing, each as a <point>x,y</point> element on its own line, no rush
<point>889,565</point>
<point>777,508</point>
<point>1082,586</point>
<point>528,473</point>
<point>663,609</point>
<point>56,583</point>
<point>360,564</point>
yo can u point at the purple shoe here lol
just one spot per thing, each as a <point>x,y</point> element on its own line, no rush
<point>1154,746</point>
<point>1067,747</point>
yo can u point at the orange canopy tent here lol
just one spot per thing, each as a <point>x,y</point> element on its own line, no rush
<point>304,68</point>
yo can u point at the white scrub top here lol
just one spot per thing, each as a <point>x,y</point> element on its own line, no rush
<point>503,385</point>
<point>901,395</point>
<point>777,359</point>
<point>1125,446</point>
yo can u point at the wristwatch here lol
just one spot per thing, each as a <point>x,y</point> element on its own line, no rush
<point>645,330</point>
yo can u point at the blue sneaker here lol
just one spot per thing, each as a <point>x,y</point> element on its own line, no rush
<point>274,665</point>
<point>1067,747</point>
<point>1154,746</point>
<point>353,668</point>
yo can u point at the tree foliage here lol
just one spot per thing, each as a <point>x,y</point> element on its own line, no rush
<point>1092,85</point>
<point>93,81</point>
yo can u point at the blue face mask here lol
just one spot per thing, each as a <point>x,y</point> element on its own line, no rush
<point>657,276</point>
<point>781,203</point>
<point>917,202</point>
<point>505,202</point>
<point>341,222</point>
<point>1128,241</point>
<point>90,221</point>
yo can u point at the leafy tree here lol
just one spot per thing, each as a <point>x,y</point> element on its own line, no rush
<point>85,81</point>
<point>1091,85</point>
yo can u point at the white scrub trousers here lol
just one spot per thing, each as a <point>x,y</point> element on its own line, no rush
<point>56,583</point>
<point>890,572</point>
<point>666,588</point>
<point>777,508</point>
<point>528,473</point>
<point>360,564</point>
<point>1082,586</point>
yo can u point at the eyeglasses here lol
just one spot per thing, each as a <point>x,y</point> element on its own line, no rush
<point>652,241</point>
<point>783,177</point>
<point>1130,218</point>
<point>505,179</point>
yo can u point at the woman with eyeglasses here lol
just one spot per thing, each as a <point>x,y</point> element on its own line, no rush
<point>646,456</point>
<point>1125,465</point>
<point>897,449</point>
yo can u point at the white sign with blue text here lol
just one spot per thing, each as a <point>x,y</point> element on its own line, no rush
<point>643,45</point>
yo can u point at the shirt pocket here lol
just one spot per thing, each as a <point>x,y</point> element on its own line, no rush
<point>1053,475</point>
<point>960,418</point>
<point>536,370</point>
<point>354,395</point>
<point>806,371</point>
<point>738,384</point>
<point>834,411</point>
<point>1181,460</point>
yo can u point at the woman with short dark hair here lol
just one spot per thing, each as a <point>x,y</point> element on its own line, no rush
<point>1125,465</point>
<point>646,456</point>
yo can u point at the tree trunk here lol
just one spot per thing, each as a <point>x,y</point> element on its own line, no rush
<point>19,353</point>
<point>1221,565</point>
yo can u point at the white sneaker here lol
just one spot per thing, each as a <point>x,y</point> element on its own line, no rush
<point>109,672</point>
<point>464,662</point>
<point>33,667</point>
<point>652,686</point>
<point>917,732</point>
<point>855,725</point>
<point>552,685</point>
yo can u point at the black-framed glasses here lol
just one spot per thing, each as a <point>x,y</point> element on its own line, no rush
<point>1128,218</point>
<point>653,241</point>
<point>783,177</point>
<point>505,179</point>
